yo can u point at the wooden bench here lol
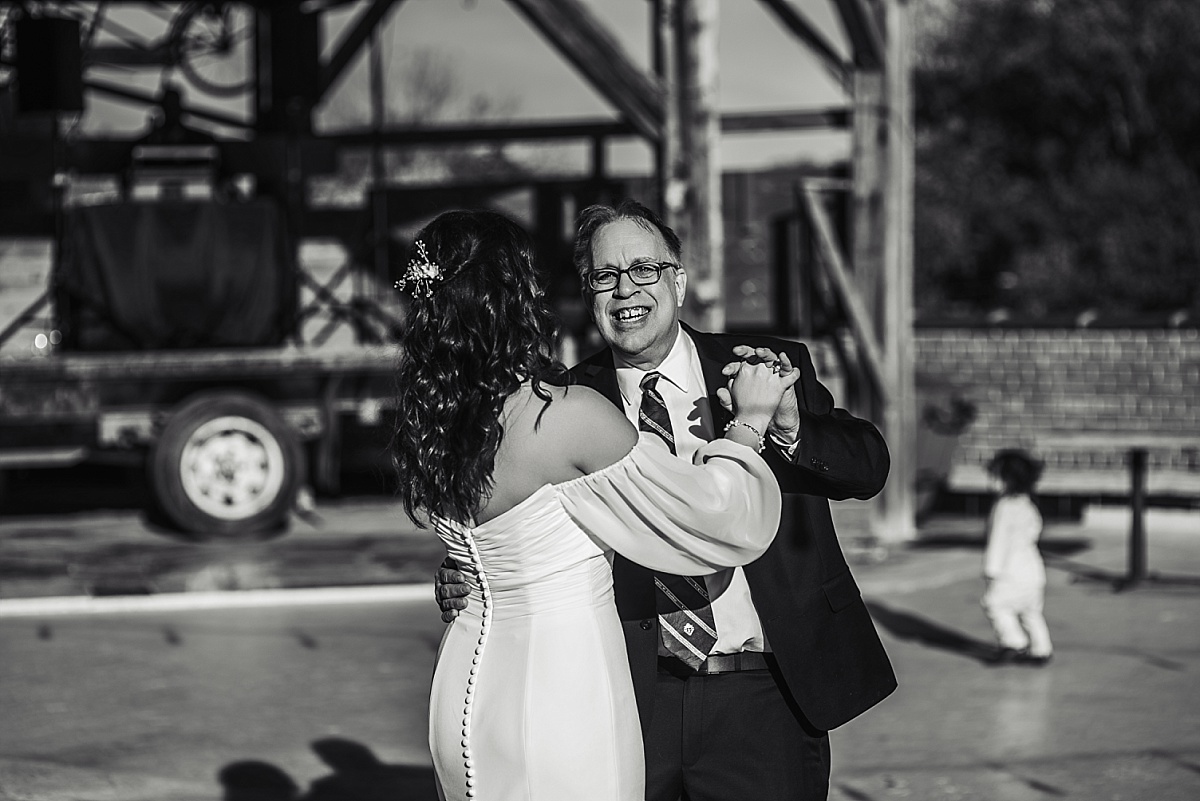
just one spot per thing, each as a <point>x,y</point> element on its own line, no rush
<point>1137,446</point>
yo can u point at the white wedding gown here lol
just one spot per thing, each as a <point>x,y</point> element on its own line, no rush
<point>531,698</point>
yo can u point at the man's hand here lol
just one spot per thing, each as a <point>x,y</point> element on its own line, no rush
<point>450,589</point>
<point>785,425</point>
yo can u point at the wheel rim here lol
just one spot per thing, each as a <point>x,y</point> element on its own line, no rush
<point>232,468</point>
<point>215,47</point>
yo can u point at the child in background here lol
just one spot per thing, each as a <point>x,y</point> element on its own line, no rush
<point>1012,566</point>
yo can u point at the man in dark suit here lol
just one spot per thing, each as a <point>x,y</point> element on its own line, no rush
<point>793,652</point>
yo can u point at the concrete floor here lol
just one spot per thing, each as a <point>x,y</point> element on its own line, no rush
<point>182,704</point>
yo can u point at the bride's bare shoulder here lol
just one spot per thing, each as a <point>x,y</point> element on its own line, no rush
<point>585,428</point>
<point>577,405</point>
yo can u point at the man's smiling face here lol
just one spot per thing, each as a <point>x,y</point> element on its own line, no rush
<point>639,322</point>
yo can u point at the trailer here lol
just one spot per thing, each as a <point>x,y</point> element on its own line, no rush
<point>185,335</point>
<point>228,437</point>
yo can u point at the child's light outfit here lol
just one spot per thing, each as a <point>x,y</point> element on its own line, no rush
<point>1014,597</point>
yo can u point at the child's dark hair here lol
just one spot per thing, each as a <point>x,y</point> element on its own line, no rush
<point>1017,469</point>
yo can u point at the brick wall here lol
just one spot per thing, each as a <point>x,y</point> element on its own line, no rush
<point>1028,383</point>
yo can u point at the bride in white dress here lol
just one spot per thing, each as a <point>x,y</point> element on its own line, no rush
<point>532,487</point>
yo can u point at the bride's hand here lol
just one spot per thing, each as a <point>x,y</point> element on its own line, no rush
<point>754,390</point>
<point>786,422</point>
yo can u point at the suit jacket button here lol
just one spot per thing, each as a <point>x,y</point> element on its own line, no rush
<point>647,625</point>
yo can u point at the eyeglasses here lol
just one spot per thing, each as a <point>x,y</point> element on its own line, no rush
<point>643,274</point>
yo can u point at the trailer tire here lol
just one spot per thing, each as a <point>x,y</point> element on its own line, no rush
<point>226,465</point>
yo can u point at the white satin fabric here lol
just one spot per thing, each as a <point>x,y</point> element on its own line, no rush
<point>531,698</point>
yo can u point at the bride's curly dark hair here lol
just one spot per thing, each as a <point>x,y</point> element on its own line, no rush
<point>485,328</point>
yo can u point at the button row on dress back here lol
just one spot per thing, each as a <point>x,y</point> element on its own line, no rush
<point>485,589</point>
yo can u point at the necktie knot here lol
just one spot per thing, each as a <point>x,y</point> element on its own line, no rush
<point>650,381</point>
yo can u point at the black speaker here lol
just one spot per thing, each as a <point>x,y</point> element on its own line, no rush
<point>49,65</point>
<point>288,44</point>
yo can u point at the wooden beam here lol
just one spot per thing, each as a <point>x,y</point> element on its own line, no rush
<point>584,41</point>
<point>351,43</point>
<point>861,323</point>
<point>764,121</point>
<point>34,157</point>
<point>26,315</point>
<point>866,38</point>
<point>151,99</point>
<point>738,122</point>
<point>126,56</point>
<point>804,30</point>
<point>499,132</point>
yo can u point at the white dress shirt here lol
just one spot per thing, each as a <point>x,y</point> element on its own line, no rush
<point>686,397</point>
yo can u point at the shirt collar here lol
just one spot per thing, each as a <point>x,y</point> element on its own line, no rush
<point>675,368</point>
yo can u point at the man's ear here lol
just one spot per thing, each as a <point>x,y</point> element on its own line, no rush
<point>680,286</point>
<point>586,294</point>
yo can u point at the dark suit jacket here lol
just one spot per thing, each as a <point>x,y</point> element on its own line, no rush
<point>808,602</point>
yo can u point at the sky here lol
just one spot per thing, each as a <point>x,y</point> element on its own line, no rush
<point>494,52</point>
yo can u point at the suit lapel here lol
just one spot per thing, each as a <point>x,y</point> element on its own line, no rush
<point>600,374</point>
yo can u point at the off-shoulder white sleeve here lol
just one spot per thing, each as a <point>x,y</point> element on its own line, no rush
<point>721,510</point>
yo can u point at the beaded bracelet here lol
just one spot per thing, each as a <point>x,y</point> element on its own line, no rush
<point>736,422</point>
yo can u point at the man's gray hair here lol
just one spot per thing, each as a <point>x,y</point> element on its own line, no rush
<point>593,218</point>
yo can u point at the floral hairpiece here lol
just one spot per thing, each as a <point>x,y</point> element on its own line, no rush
<point>421,272</point>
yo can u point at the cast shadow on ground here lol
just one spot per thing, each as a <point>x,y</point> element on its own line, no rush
<point>357,775</point>
<point>1119,581</point>
<point>908,626</point>
<point>974,541</point>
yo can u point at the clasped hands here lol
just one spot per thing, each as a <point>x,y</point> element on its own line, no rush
<point>785,423</point>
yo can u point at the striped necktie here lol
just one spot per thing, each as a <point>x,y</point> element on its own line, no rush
<point>689,632</point>
<point>686,625</point>
<point>652,414</point>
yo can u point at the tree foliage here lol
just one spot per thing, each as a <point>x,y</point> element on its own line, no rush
<point>1058,157</point>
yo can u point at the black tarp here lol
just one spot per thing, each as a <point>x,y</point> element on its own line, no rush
<point>173,275</point>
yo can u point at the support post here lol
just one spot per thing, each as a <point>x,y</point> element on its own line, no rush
<point>866,212</point>
<point>699,161</point>
<point>868,192</point>
<point>896,511</point>
<point>599,159</point>
<point>1137,514</point>
<point>881,247</point>
<point>379,201</point>
<point>663,48</point>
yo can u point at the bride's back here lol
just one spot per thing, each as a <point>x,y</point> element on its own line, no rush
<point>531,696</point>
